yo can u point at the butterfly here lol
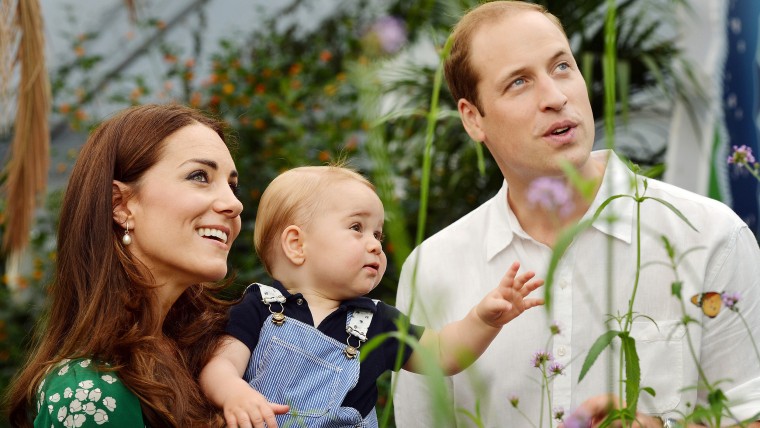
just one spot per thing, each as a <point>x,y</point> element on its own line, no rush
<point>710,302</point>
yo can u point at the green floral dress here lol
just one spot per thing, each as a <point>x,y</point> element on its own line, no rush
<point>75,394</point>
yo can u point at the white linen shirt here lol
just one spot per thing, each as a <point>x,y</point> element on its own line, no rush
<point>460,264</point>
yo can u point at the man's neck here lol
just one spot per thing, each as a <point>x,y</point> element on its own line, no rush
<point>545,225</point>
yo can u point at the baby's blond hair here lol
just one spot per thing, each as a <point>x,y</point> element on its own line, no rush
<point>292,198</point>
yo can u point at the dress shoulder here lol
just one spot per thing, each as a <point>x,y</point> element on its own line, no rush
<point>76,394</point>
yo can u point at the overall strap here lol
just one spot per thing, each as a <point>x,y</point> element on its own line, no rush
<point>357,324</point>
<point>271,295</point>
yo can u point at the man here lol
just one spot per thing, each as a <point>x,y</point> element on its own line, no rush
<point>520,92</point>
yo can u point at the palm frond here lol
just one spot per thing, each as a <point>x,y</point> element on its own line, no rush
<point>28,166</point>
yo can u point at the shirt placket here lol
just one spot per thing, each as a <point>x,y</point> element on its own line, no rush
<point>561,343</point>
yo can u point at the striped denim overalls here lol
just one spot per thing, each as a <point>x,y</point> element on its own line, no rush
<point>296,364</point>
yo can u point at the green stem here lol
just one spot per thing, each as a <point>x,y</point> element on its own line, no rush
<point>432,119</point>
<point>749,330</point>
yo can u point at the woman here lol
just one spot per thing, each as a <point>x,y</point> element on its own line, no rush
<point>148,219</point>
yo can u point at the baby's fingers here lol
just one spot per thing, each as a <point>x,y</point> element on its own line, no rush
<point>530,286</point>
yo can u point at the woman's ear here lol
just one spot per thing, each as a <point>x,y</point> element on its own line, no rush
<point>291,242</point>
<point>119,196</point>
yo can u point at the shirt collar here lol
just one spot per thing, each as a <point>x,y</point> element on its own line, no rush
<point>617,180</point>
<point>502,224</point>
<point>356,303</point>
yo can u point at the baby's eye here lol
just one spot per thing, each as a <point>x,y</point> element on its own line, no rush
<point>199,175</point>
<point>379,236</point>
<point>357,227</point>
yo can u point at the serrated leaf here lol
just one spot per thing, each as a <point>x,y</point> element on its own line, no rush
<point>601,342</point>
<point>632,370</point>
<point>674,209</point>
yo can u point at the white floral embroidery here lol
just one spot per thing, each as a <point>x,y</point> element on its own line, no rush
<point>81,394</point>
<point>90,408</point>
<point>62,412</point>
<point>110,403</point>
<point>75,406</point>
<point>63,370</point>
<point>100,417</point>
<point>55,397</point>
<point>86,384</point>
<point>50,409</point>
<point>67,393</point>
<point>108,378</point>
<point>85,363</point>
<point>94,395</point>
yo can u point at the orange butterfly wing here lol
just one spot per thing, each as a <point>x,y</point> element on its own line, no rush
<point>710,303</point>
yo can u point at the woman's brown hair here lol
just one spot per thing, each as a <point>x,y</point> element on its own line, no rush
<point>101,305</point>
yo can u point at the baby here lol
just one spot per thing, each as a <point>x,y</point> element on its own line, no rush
<point>292,354</point>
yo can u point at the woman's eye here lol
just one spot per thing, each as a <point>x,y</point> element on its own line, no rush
<point>564,66</point>
<point>199,175</point>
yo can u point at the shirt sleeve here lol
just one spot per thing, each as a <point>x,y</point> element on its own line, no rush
<point>727,354</point>
<point>75,394</point>
<point>392,319</point>
<point>247,317</point>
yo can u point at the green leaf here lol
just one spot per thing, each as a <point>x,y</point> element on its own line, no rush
<point>601,342</point>
<point>675,288</point>
<point>649,390</point>
<point>674,209</point>
<point>632,370</point>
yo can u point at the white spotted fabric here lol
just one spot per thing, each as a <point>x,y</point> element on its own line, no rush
<point>74,394</point>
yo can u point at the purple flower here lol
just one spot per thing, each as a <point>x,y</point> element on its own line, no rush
<point>742,155</point>
<point>390,33</point>
<point>551,194</point>
<point>556,368</point>
<point>540,358</point>
<point>730,300</point>
<point>514,400</point>
<point>559,413</point>
<point>577,419</point>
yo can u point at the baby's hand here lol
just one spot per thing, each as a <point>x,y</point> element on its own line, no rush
<point>244,407</point>
<point>507,301</point>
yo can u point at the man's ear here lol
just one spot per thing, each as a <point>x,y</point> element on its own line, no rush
<point>292,243</point>
<point>120,193</point>
<point>471,120</point>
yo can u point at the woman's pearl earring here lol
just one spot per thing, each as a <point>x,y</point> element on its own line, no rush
<point>126,239</point>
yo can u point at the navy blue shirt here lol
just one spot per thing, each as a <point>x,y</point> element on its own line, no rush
<point>247,318</point>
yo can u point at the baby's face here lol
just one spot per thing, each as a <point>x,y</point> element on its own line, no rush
<point>343,242</point>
